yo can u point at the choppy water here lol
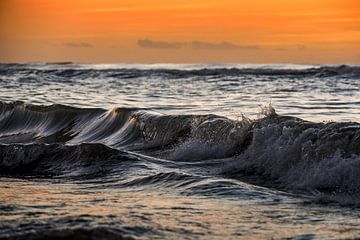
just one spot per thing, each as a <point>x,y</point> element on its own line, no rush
<point>163,151</point>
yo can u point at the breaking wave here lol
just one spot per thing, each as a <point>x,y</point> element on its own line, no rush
<point>276,151</point>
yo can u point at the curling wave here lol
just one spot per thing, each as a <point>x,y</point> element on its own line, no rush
<point>276,151</point>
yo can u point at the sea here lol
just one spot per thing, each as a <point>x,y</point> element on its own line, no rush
<point>179,151</point>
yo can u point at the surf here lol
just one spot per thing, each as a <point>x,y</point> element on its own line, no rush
<point>275,151</point>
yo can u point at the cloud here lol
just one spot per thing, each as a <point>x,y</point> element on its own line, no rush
<point>146,43</point>
<point>221,46</point>
<point>78,45</point>
<point>301,47</point>
<point>198,45</point>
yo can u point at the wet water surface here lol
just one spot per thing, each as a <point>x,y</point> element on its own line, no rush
<point>179,151</point>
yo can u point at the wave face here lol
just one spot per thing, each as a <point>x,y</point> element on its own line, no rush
<point>276,151</point>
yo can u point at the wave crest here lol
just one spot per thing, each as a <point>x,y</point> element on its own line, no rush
<point>277,151</point>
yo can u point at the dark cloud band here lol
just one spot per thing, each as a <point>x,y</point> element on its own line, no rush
<point>78,45</point>
<point>147,43</point>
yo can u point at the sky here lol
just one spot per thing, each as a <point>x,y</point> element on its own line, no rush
<point>180,31</point>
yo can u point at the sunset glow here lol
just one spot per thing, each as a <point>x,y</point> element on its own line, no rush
<point>257,31</point>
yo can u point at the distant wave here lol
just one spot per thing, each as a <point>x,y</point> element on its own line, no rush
<point>67,69</point>
<point>276,151</point>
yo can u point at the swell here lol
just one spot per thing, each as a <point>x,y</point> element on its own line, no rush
<point>48,160</point>
<point>276,151</point>
<point>68,70</point>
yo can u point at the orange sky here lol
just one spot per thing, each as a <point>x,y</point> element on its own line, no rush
<point>180,31</point>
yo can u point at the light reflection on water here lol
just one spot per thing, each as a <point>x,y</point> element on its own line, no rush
<point>148,214</point>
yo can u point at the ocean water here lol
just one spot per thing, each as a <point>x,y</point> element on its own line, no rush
<point>168,151</point>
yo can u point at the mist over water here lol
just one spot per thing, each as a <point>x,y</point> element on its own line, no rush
<point>179,151</point>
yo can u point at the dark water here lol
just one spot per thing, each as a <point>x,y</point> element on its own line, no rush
<point>163,151</point>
